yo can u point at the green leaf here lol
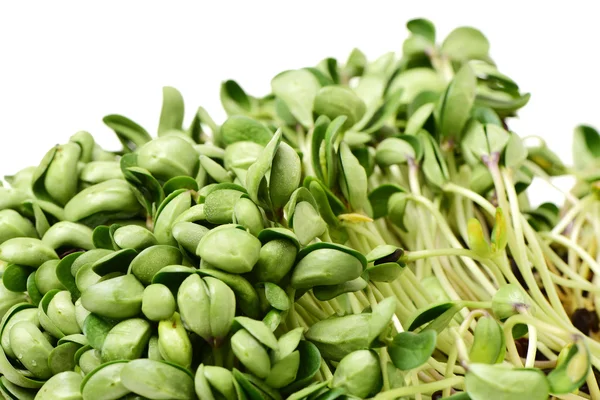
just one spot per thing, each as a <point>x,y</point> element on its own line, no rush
<point>396,150</point>
<point>307,222</point>
<point>515,152</point>
<point>497,138</point>
<point>502,382</point>
<point>386,113</point>
<point>196,128</point>
<point>288,342</point>
<point>454,107</point>
<point>164,203</point>
<point>320,195</point>
<point>172,112</point>
<point>499,233</point>
<point>324,293</point>
<point>129,133</point>
<point>297,89</point>
<point>355,65</point>
<point>180,182</point>
<point>434,166</point>
<point>117,261</point>
<point>546,159</point>
<point>101,238</point>
<point>285,175</point>
<point>65,276</point>
<point>310,362</point>
<point>15,277</point>
<point>386,272</point>
<point>338,336</point>
<point>261,166</point>
<point>284,371</point>
<point>331,161</point>
<point>370,90</point>
<point>38,186</point>
<point>336,101</point>
<point>442,322</point>
<point>396,207</point>
<point>489,345</point>
<point>428,314</point>
<point>477,241</point>
<point>308,391</point>
<point>466,43</point>
<point>62,357</point>
<point>410,350</point>
<point>329,67</point>
<point>418,119</point>
<point>380,197</point>
<point>215,170</point>
<point>234,99</point>
<point>359,373</point>
<point>485,115</point>
<point>96,329</point>
<point>33,291</point>
<point>333,394</point>
<point>572,370</point>
<point>422,27</point>
<point>353,179</point>
<point>485,141</point>
<point>273,319</point>
<point>414,81</point>
<point>277,297</point>
<point>489,74</point>
<point>319,132</point>
<point>14,392</point>
<point>381,316</point>
<point>160,379</point>
<point>239,128</point>
<point>586,146</point>
<point>252,390</point>
<point>323,79</point>
<point>145,187</point>
<point>41,221</point>
<point>246,297</point>
<point>503,103</point>
<point>506,300</point>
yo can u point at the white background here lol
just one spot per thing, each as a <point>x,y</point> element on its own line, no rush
<point>64,65</point>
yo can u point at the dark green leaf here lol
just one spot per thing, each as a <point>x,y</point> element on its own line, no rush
<point>410,350</point>
<point>65,276</point>
<point>310,362</point>
<point>32,290</point>
<point>117,261</point>
<point>101,238</point>
<point>428,314</point>
<point>15,277</point>
<point>130,134</point>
